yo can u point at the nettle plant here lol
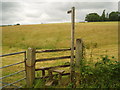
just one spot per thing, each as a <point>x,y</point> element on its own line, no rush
<point>102,74</point>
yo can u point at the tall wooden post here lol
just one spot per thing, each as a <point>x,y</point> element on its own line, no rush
<point>72,11</point>
<point>30,67</point>
<point>72,43</point>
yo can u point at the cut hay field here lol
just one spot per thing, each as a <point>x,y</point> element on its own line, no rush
<point>52,36</point>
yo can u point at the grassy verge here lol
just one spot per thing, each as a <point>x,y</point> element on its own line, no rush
<point>102,74</point>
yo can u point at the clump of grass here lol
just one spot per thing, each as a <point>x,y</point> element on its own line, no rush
<point>39,83</point>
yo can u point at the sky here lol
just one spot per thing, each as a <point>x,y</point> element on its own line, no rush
<point>51,11</point>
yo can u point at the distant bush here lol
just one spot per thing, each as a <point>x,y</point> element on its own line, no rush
<point>17,24</point>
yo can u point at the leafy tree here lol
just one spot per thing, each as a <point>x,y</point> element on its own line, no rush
<point>103,18</point>
<point>114,16</point>
<point>17,24</point>
<point>92,17</point>
<point>107,17</point>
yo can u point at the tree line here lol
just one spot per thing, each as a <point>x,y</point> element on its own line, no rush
<point>10,25</point>
<point>94,17</point>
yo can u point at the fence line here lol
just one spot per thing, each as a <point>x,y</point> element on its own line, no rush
<point>31,60</point>
<point>37,60</point>
<point>25,58</point>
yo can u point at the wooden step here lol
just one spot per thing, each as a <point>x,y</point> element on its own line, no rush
<point>59,71</point>
<point>49,83</point>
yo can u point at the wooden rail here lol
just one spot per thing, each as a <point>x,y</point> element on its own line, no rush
<point>53,75</point>
<point>47,68</point>
<point>50,59</point>
<point>55,50</point>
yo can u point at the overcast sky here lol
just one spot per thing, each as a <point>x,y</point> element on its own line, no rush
<point>26,12</point>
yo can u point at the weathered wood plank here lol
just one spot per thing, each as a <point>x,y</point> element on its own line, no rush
<point>52,75</point>
<point>50,59</point>
<point>46,68</point>
<point>49,83</point>
<point>59,71</point>
<point>55,50</point>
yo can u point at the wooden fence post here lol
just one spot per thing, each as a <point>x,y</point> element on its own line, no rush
<point>79,52</point>
<point>30,67</point>
<point>78,57</point>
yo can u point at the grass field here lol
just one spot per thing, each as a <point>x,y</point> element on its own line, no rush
<point>51,36</point>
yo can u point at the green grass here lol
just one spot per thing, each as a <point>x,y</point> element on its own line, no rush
<point>51,36</point>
